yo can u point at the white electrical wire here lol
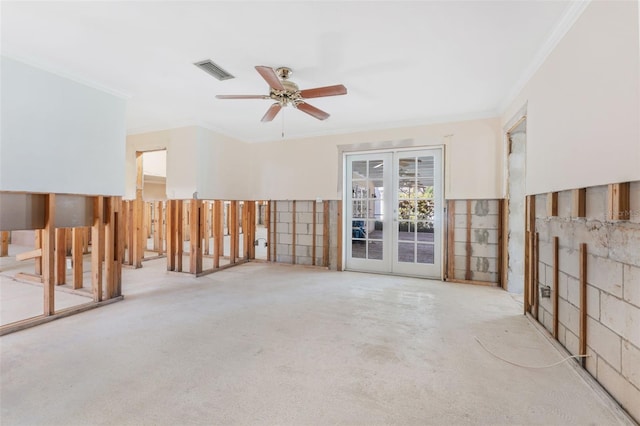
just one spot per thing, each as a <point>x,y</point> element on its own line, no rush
<point>529,366</point>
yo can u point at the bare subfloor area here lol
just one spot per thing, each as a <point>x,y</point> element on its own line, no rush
<point>266,344</point>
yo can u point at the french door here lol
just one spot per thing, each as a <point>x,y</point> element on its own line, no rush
<point>394,212</point>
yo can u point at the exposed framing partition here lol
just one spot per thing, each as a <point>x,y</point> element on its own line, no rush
<point>51,228</point>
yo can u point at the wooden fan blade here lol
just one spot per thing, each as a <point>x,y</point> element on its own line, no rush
<point>270,77</point>
<point>312,111</point>
<point>319,92</point>
<point>271,112</point>
<point>242,97</point>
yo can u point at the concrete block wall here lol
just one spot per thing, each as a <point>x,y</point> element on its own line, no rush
<point>284,222</point>
<point>613,288</point>
<point>484,240</point>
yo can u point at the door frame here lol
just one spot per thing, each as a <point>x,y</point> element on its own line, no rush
<point>344,153</point>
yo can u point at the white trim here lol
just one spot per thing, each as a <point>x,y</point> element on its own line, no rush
<point>571,15</point>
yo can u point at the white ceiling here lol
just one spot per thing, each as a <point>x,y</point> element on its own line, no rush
<point>403,63</point>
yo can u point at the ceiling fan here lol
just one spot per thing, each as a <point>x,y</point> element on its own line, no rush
<point>286,92</point>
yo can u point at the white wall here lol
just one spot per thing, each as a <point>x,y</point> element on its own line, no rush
<point>58,135</point>
<point>583,104</point>
<point>154,163</point>
<point>182,153</point>
<point>225,167</point>
<point>310,168</point>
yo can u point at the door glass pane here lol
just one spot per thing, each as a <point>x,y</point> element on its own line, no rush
<point>406,209</point>
<point>376,169</point>
<point>359,209</point>
<point>359,169</point>
<point>426,253</point>
<point>358,249</point>
<point>375,250</point>
<point>406,252</point>
<point>425,209</point>
<point>425,231</point>
<point>405,231</point>
<point>374,230</point>
<point>358,189</point>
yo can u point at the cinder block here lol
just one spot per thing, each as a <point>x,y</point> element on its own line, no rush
<point>569,262</point>
<point>573,291</point>
<point>564,204</point>
<point>484,264</point>
<point>606,343</point>
<point>569,316</point>
<point>303,206</point>
<point>303,260</point>
<point>304,240</point>
<point>546,303</point>
<point>302,251</point>
<point>285,217</point>
<point>621,317</point>
<point>488,277</point>
<point>572,343</point>
<point>634,203</point>
<point>542,273</point>
<point>284,258</point>
<point>631,363</point>
<point>284,238</point>
<point>546,318</point>
<point>605,274</point>
<point>593,302</point>
<point>624,243</point>
<point>545,252</point>
<point>460,222</point>
<point>563,285</point>
<point>484,207</point>
<point>621,389</point>
<point>461,206</point>
<point>562,332</point>
<point>548,275</point>
<point>594,233</point>
<point>596,203</point>
<point>484,250</point>
<point>541,205</point>
<point>484,222</point>
<point>302,228</point>
<point>631,275</point>
<point>591,362</point>
<point>304,217</point>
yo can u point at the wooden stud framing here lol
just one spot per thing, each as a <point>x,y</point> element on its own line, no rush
<point>583,301</point>
<point>212,218</point>
<point>207,230</point>
<point>119,245</point>
<point>451,217</point>
<point>77,256</point>
<point>267,224</point>
<point>179,229</point>
<point>159,227</point>
<point>619,201</point>
<point>339,225</point>
<point>4,243</point>
<point>139,240</point>
<point>467,266</point>
<point>578,202</point>
<point>170,211</point>
<point>552,204</point>
<point>217,232</point>
<point>556,286</point>
<point>293,233</point>
<point>110,247</point>
<point>38,245</point>
<point>61,256</point>
<point>97,248</point>
<point>501,258</point>
<point>233,231</point>
<point>325,233</point>
<point>313,237</point>
<point>536,267</point>
<point>275,235</point>
<point>33,254</point>
<point>48,255</point>
<point>195,241</point>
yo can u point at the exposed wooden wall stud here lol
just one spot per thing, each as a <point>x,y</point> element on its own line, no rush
<point>619,201</point>
<point>556,286</point>
<point>325,233</point>
<point>77,257</point>
<point>578,202</point>
<point>48,255</point>
<point>340,243</point>
<point>468,251</point>
<point>451,218</point>
<point>61,256</point>
<point>583,302</point>
<point>4,243</point>
<point>552,204</point>
<point>97,248</point>
<point>313,233</point>
<point>195,244</point>
<point>293,232</point>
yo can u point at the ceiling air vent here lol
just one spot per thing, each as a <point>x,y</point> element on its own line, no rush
<point>211,68</point>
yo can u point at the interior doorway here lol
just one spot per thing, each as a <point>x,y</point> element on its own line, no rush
<point>516,173</point>
<point>394,212</point>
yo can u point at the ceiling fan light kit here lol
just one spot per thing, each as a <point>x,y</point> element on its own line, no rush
<point>285,92</point>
